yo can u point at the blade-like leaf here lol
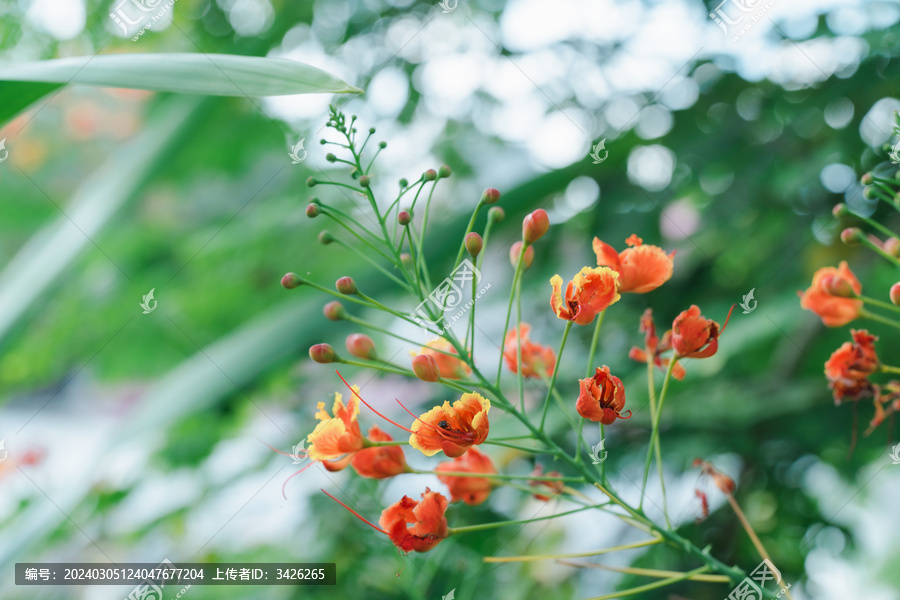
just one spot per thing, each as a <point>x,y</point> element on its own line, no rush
<point>205,74</point>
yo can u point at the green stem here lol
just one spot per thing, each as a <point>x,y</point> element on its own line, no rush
<point>653,586</point>
<point>655,435</point>
<point>587,373</point>
<point>520,378</point>
<point>536,557</point>
<point>509,306</point>
<point>889,369</point>
<point>879,303</point>
<point>876,225</point>
<point>868,315</point>
<point>372,262</point>
<point>495,524</point>
<point>522,448</point>
<point>865,241</point>
<point>497,476</point>
<point>562,346</point>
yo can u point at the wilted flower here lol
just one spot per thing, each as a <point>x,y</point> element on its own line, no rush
<point>602,397</point>
<point>849,367</point>
<point>555,487</point>
<point>655,346</point>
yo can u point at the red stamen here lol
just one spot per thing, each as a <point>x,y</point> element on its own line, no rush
<point>358,516</point>
<point>292,476</point>
<point>369,405</point>
<point>279,451</point>
<point>726,319</point>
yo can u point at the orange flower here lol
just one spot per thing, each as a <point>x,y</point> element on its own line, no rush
<point>556,487</point>
<point>695,336</point>
<point>453,429</point>
<point>641,268</point>
<point>450,367</point>
<point>589,293</point>
<point>471,490</point>
<point>830,295</point>
<point>536,359</point>
<point>379,462</point>
<point>655,347</point>
<point>602,397</point>
<point>849,367</point>
<point>416,525</point>
<point>337,438</point>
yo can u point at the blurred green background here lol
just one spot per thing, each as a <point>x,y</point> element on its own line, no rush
<point>152,426</point>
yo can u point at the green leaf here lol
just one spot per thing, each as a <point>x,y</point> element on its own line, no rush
<point>205,74</point>
<point>16,97</point>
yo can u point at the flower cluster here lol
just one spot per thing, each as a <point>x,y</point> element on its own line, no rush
<point>836,297</point>
<point>459,428</point>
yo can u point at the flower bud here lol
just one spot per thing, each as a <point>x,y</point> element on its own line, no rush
<point>334,311</point>
<point>346,286</point>
<point>323,141</point>
<point>895,294</point>
<point>837,286</point>
<point>313,210</point>
<point>869,193</point>
<point>840,210</point>
<point>474,244</point>
<point>364,181</point>
<point>852,236</point>
<point>371,131</point>
<point>426,368</point>
<point>312,181</point>
<point>866,179</point>
<point>330,157</point>
<point>496,214</point>
<point>430,175</point>
<point>514,254</point>
<point>325,237</point>
<point>444,171</point>
<point>361,346</point>
<point>403,217</point>
<point>290,281</point>
<point>490,196</point>
<point>535,225</point>
<point>406,260</point>
<point>892,247</point>
<point>323,353</point>
<point>404,182</point>
<point>382,145</point>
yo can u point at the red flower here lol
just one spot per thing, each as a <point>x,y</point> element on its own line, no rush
<point>537,360</point>
<point>453,429</point>
<point>416,525</point>
<point>849,367</point>
<point>655,347</point>
<point>555,487</point>
<point>379,462</point>
<point>831,295</point>
<point>694,336</point>
<point>471,490</point>
<point>641,268</point>
<point>587,295</point>
<point>602,397</point>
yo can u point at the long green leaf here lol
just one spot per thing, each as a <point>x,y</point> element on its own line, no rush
<point>205,74</point>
